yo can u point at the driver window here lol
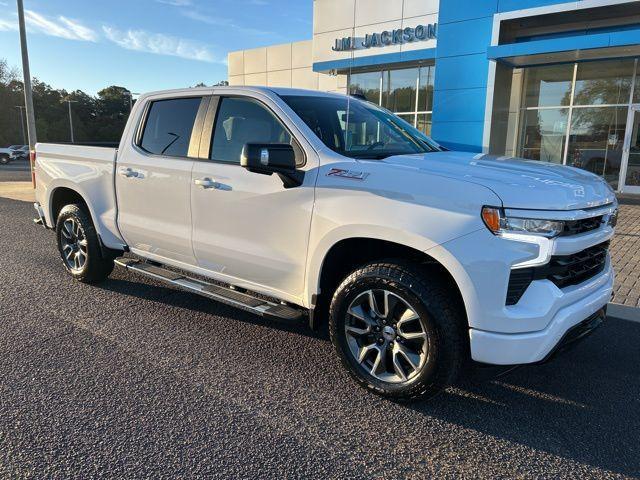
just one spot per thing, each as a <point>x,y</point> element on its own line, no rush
<point>240,121</point>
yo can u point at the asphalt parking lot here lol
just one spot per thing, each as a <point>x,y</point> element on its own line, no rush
<point>134,379</point>
<point>15,171</point>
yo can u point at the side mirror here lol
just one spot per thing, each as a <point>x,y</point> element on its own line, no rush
<point>269,158</point>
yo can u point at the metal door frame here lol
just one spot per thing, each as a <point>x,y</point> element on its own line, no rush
<point>624,161</point>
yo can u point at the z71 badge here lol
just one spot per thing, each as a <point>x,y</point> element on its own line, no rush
<point>351,174</point>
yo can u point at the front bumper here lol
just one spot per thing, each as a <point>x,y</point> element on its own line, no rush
<point>532,347</point>
<point>576,333</point>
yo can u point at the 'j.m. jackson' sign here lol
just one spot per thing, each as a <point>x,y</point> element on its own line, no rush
<point>387,37</point>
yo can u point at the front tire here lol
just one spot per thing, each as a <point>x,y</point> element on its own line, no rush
<point>79,246</point>
<point>398,331</point>
<point>4,159</point>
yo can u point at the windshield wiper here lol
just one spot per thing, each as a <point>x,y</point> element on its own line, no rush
<point>380,155</point>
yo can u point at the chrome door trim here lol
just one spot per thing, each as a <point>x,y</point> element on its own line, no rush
<point>624,162</point>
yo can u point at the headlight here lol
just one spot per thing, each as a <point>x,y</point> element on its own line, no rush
<point>497,222</point>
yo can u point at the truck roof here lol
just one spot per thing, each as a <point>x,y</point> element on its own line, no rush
<point>248,88</point>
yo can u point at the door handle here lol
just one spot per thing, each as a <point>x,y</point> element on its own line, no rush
<point>129,173</point>
<point>206,182</point>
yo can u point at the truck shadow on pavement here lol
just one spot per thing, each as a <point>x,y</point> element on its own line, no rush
<point>184,299</point>
<point>583,406</point>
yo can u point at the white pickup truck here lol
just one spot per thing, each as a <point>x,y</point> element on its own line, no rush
<point>297,204</point>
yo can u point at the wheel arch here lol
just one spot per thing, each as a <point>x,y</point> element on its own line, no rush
<point>62,196</point>
<point>347,254</point>
<point>96,197</point>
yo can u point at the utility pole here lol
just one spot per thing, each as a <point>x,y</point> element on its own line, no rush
<point>69,102</point>
<point>130,95</point>
<point>24,136</point>
<point>26,73</point>
<point>28,95</point>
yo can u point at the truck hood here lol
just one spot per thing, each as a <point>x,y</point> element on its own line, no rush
<point>520,183</point>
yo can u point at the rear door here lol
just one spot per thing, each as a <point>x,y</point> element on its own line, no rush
<point>247,227</point>
<point>153,179</point>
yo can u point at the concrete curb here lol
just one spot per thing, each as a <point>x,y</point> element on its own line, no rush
<point>22,191</point>
<point>628,199</point>
<point>623,312</point>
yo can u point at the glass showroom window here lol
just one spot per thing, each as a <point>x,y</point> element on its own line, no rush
<point>407,92</point>
<point>576,114</point>
<point>367,84</point>
<point>543,134</point>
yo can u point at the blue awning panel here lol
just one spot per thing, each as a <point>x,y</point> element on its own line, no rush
<point>372,60</point>
<point>517,53</point>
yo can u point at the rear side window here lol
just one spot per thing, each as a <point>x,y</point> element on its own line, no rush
<point>240,121</point>
<point>167,130</point>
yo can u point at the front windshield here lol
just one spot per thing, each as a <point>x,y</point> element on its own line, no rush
<point>358,129</point>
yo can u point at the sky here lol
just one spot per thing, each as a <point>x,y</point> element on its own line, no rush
<point>145,45</point>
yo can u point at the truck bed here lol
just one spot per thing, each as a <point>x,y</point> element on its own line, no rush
<point>87,170</point>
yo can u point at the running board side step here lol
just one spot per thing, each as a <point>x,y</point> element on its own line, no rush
<point>219,293</point>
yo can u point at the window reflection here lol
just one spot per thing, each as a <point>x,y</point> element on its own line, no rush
<point>399,89</point>
<point>596,139</point>
<point>367,84</point>
<point>600,83</point>
<point>425,91</point>
<point>408,117</point>
<point>548,86</point>
<point>424,123</point>
<point>597,113</point>
<point>632,178</point>
<point>407,92</point>
<point>543,134</point>
<point>636,90</point>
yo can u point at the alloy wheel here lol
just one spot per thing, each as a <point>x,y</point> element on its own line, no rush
<point>74,244</point>
<point>386,336</point>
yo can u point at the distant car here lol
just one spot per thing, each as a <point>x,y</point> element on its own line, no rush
<point>20,152</point>
<point>6,155</point>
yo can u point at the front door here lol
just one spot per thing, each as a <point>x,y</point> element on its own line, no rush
<point>248,229</point>
<point>153,182</point>
<point>630,172</point>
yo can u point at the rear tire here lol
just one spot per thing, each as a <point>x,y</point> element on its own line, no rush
<point>412,343</point>
<point>4,159</point>
<point>79,246</point>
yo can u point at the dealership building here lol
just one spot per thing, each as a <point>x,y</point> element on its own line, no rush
<point>534,78</point>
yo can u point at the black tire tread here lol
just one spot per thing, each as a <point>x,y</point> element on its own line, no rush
<point>444,308</point>
<point>98,266</point>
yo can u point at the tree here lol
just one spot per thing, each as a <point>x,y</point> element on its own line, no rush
<point>10,97</point>
<point>222,83</point>
<point>95,119</point>
<point>112,112</point>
